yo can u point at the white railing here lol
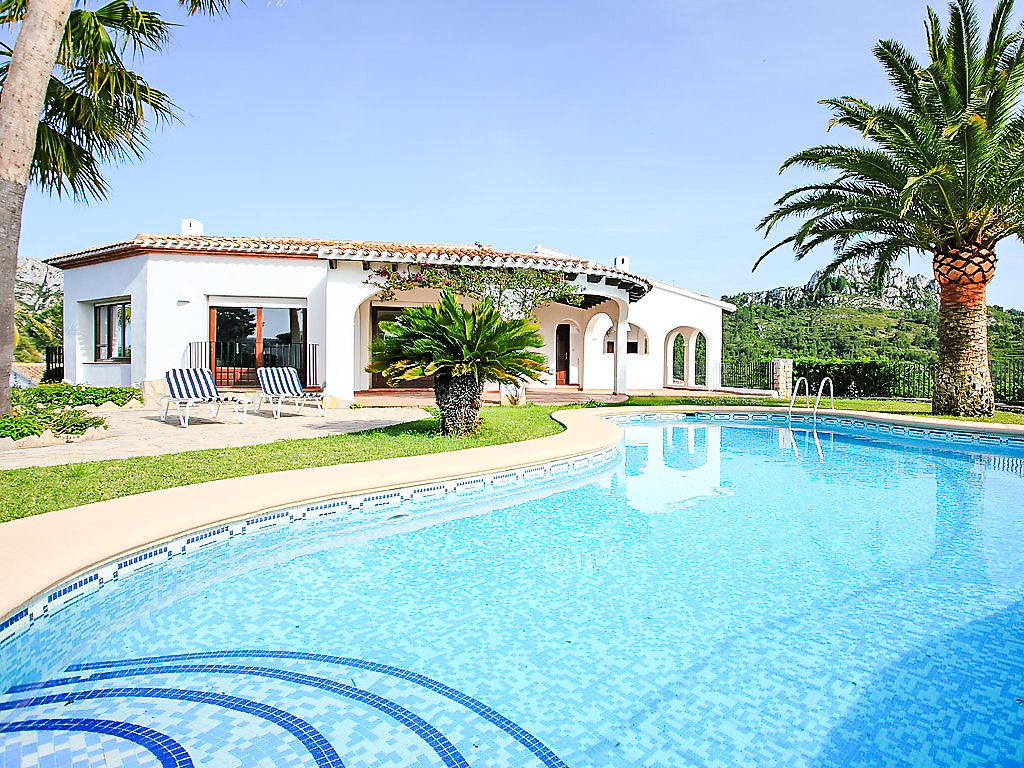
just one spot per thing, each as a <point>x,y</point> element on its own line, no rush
<point>796,391</point>
<point>821,391</point>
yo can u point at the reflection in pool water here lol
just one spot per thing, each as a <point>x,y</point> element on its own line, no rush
<point>721,599</point>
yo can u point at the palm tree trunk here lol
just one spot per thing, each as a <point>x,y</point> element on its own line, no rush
<point>963,382</point>
<point>459,401</point>
<point>24,91</point>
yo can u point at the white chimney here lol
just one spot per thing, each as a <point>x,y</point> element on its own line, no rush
<point>192,227</point>
<point>622,262</point>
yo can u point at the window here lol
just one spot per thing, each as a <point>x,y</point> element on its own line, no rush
<point>113,331</point>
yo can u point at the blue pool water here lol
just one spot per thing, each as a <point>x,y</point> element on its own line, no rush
<point>727,595</point>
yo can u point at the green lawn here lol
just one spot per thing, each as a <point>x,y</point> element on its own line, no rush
<point>34,490</point>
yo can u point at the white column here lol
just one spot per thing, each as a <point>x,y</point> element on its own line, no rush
<point>621,329</point>
<point>344,292</point>
<point>714,363</point>
<point>691,358</point>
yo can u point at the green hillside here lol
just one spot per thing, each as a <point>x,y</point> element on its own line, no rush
<point>756,331</point>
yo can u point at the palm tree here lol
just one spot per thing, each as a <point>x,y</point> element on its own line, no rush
<point>95,110</point>
<point>28,328</point>
<point>942,173</point>
<point>462,349</point>
<point>42,31</point>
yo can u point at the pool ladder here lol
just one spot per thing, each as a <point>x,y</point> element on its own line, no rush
<point>807,396</point>
<point>814,413</point>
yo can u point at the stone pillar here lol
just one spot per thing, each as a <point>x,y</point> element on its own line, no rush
<point>782,376</point>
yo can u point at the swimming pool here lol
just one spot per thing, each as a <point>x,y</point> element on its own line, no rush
<point>728,592</point>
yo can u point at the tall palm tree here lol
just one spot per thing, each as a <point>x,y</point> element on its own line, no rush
<point>462,349</point>
<point>940,173</point>
<point>96,110</point>
<point>42,26</point>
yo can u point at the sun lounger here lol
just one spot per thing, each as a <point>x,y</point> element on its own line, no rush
<point>195,386</point>
<point>280,385</point>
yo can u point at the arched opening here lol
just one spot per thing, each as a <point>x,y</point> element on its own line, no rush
<point>637,342</point>
<point>686,358</point>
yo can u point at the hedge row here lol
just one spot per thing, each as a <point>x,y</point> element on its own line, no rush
<point>867,378</point>
<point>71,395</point>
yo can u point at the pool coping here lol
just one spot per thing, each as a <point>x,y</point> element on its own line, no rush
<point>47,550</point>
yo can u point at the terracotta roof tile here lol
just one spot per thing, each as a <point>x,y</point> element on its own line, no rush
<point>351,250</point>
<point>31,371</point>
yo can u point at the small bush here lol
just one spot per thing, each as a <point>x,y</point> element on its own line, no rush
<point>71,395</point>
<point>34,420</point>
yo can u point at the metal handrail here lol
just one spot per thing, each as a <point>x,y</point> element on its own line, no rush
<point>821,391</point>
<point>796,391</point>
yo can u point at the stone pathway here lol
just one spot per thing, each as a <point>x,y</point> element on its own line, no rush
<point>139,432</point>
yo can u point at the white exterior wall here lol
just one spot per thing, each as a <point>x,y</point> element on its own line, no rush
<point>663,313</point>
<point>656,318</point>
<point>83,289</point>
<point>180,287</point>
<point>171,296</point>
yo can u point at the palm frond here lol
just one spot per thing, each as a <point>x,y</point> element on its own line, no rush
<point>943,167</point>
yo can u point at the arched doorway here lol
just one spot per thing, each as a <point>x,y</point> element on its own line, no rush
<point>686,357</point>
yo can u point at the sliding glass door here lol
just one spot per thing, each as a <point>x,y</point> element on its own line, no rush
<point>246,338</point>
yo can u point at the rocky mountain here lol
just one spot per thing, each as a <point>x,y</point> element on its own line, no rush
<point>38,286</point>
<point>850,286</point>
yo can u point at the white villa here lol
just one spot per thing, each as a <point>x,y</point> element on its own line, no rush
<point>134,309</point>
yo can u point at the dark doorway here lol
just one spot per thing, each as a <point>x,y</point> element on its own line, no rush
<point>386,314</point>
<point>562,354</point>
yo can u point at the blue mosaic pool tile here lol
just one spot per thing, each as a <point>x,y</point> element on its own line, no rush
<point>166,750</point>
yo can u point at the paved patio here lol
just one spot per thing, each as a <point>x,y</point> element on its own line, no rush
<point>139,432</point>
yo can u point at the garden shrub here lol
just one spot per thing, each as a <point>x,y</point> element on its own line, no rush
<point>71,395</point>
<point>867,378</point>
<point>35,419</point>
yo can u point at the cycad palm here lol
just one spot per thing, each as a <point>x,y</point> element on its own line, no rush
<point>944,176</point>
<point>462,349</point>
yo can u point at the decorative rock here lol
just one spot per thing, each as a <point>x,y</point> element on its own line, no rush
<point>94,433</point>
<point>133,403</point>
<point>108,406</point>
<point>39,441</point>
<point>7,443</point>
<point>48,438</point>
<point>152,391</point>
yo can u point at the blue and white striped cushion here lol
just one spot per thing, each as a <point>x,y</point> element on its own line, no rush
<point>191,384</point>
<point>280,381</point>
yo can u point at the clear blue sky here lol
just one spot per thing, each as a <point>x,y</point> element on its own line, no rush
<point>651,128</point>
